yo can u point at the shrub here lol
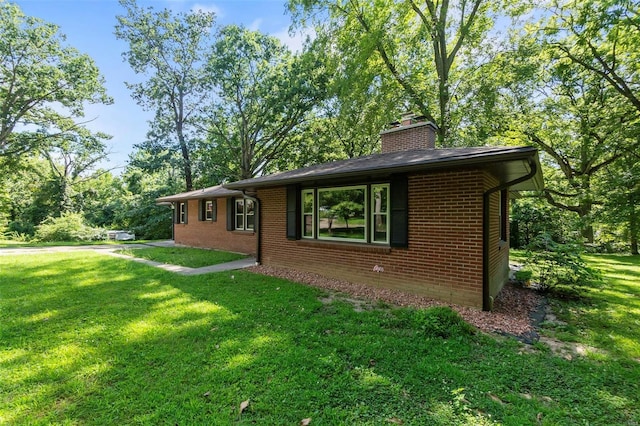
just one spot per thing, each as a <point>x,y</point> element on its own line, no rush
<point>68,227</point>
<point>559,267</point>
<point>16,236</point>
<point>523,277</point>
<point>441,321</point>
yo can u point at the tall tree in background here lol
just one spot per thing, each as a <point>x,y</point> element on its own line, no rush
<point>621,192</point>
<point>418,44</point>
<point>136,209</point>
<point>171,49</point>
<point>582,109</point>
<point>264,94</point>
<point>44,84</point>
<point>72,159</point>
<point>602,37</point>
<point>357,109</point>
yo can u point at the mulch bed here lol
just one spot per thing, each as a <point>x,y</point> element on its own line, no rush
<point>513,310</point>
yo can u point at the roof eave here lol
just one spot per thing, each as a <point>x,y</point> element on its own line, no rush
<point>435,165</point>
<point>207,193</point>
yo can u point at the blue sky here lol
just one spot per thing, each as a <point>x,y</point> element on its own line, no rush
<point>89,27</point>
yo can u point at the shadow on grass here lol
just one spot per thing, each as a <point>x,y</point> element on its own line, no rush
<point>97,340</point>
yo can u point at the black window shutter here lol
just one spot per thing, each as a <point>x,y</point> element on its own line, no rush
<point>231,217</point>
<point>399,212</point>
<point>201,207</point>
<point>176,212</point>
<point>293,212</point>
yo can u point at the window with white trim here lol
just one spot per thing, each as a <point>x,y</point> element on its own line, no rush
<point>380,213</point>
<point>244,215</point>
<point>182,212</point>
<point>370,213</point>
<point>308,213</point>
<point>208,210</point>
<point>352,213</point>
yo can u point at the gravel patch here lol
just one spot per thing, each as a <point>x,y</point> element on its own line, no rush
<point>512,309</point>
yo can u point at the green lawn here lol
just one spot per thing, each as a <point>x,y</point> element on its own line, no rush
<point>15,243</point>
<point>184,256</point>
<point>608,318</point>
<point>91,339</point>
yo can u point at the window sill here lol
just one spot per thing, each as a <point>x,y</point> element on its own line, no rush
<point>244,232</point>
<point>339,245</point>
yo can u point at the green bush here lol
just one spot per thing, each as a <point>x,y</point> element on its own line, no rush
<point>68,227</point>
<point>15,236</point>
<point>559,267</point>
<point>440,321</point>
<point>523,277</point>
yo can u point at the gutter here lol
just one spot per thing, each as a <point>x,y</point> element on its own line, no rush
<point>256,224</point>
<point>487,301</point>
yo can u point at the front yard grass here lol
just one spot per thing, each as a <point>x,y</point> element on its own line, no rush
<point>25,244</point>
<point>183,256</point>
<point>90,339</point>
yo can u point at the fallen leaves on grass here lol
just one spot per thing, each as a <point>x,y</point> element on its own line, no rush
<point>495,398</point>
<point>305,422</point>
<point>244,405</point>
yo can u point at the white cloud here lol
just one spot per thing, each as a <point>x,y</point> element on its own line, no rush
<point>294,41</point>
<point>208,8</point>
<point>255,25</point>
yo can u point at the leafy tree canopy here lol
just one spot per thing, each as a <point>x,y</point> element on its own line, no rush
<point>44,84</point>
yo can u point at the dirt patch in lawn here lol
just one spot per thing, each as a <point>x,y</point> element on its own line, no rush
<point>513,309</point>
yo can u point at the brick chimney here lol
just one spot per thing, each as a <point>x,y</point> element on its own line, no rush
<point>412,132</point>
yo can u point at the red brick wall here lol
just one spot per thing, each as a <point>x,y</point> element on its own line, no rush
<point>213,235</point>
<point>444,257</point>
<point>413,136</point>
<point>498,249</point>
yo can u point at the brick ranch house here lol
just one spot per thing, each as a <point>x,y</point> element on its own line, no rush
<point>214,218</point>
<point>413,218</point>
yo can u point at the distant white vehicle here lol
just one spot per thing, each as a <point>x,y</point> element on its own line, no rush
<point>121,236</point>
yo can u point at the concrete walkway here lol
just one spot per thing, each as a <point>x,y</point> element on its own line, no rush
<point>110,249</point>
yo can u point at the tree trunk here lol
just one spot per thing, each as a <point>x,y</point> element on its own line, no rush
<point>188,178</point>
<point>587,233</point>
<point>178,111</point>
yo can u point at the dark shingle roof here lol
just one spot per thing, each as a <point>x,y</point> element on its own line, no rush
<point>505,162</point>
<point>217,191</point>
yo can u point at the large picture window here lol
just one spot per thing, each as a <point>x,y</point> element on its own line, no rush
<point>341,213</point>
<point>353,213</point>
<point>375,213</point>
<point>244,215</point>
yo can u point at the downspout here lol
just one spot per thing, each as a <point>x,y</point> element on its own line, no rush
<point>256,225</point>
<point>173,221</point>
<point>487,302</point>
